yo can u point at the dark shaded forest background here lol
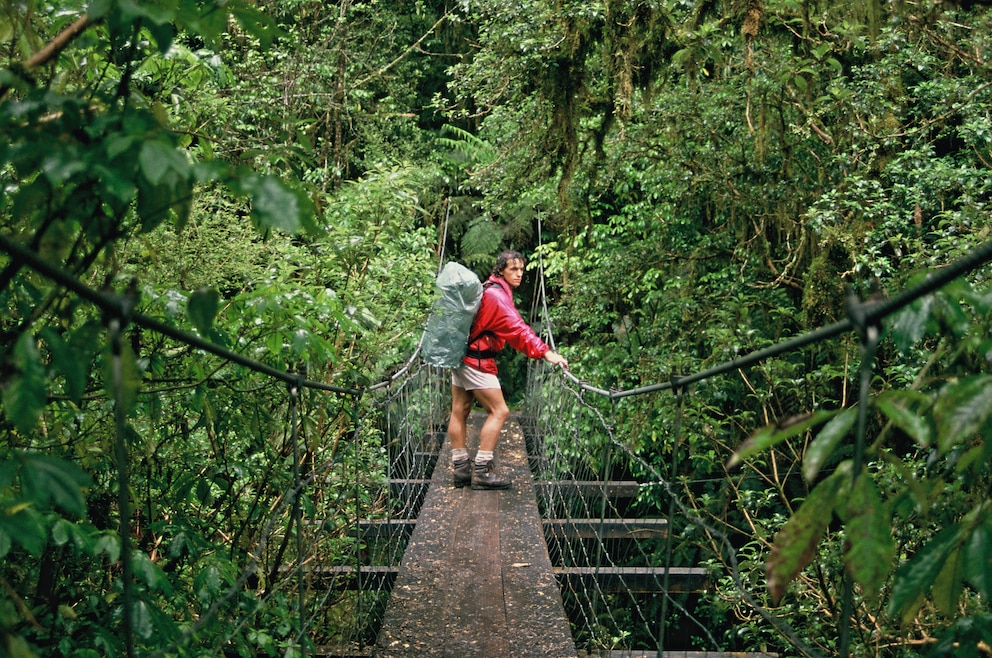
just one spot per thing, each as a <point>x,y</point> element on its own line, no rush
<point>699,179</point>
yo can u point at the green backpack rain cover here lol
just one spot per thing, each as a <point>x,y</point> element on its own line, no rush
<point>446,337</point>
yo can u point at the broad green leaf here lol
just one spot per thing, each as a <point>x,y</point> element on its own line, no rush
<point>25,393</point>
<point>30,196</point>
<point>203,305</point>
<point>207,583</point>
<point>25,528</point>
<point>6,541</point>
<point>157,160</point>
<point>183,207</point>
<point>210,23</point>
<point>72,364</point>
<point>163,33</point>
<point>51,480</point>
<point>98,8</point>
<point>826,442</point>
<point>130,376</point>
<point>166,184</point>
<point>150,573</point>
<point>154,204</point>
<point>110,544</point>
<point>276,206</point>
<point>795,544</point>
<point>951,313</point>
<point>870,549</point>
<point>256,23</point>
<point>18,647</point>
<point>142,622</point>
<point>274,343</point>
<point>203,492</point>
<point>949,583</point>
<point>908,411</point>
<point>909,326</point>
<point>977,556</point>
<point>64,532</point>
<point>300,341</point>
<point>821,50</point>
<point>60,532</point>
<point>915,578</point>
<point>771,435</point>
<point>963,407</point>
<point>976,456</point>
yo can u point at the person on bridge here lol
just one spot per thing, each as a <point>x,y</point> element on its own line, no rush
<point>497,323</point>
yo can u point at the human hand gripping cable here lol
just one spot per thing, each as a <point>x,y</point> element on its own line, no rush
<point>555,359</point>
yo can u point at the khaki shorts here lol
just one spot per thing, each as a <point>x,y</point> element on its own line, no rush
<point>469,378</point>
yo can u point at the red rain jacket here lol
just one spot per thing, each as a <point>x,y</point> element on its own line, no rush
<point>497,323</point>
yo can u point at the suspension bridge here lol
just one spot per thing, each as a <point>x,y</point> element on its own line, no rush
<point>569,562</point>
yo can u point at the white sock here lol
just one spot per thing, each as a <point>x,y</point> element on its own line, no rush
<point>483,456</point>
<point>459,454</point>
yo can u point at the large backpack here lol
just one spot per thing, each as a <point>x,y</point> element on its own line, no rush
<point>459,294</point>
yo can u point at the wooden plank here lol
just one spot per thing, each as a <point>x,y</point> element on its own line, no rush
<point>476,579</point>
<point>637,580</point>
<point>348,578</point>
<point>423,463</point>
<point>405,486</point>
<point>565,529</point>
<point>588,489</point>
<point>477,624</point>
<point>386,528</point>
<point>534,612</point>
<point>636,653</point>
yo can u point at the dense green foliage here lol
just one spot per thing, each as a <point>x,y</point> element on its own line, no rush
<point>699,179</point>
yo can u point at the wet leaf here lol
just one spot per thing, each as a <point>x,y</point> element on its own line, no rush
<point>771,435</point>
<point>203,306</point>
<point>916,577</point>
<point>795,544</point>
<point>826,442</point>
<point>25,393</point>
<point>908,411</point>
<point>977,558</point>
<point>870,550</point>
<point>962,409</point>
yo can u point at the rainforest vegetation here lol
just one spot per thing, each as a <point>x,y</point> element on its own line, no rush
<point>699,179</point>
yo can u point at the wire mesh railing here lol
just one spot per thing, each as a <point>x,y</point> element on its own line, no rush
<point>579,431</point>
<point>307,484</point>
<point>236,510</point>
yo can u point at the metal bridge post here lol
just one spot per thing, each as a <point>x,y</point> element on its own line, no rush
<point>294,403</point>
<point>116,321</point>
<point>679,391</point>
<point>869,331</point>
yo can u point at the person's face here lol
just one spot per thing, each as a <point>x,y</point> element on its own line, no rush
<point>514,272</point>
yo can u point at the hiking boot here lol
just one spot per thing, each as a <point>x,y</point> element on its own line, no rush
<point>461,472</point>
<point>484,476</point>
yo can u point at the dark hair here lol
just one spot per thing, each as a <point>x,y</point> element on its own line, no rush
<point>504,259</point>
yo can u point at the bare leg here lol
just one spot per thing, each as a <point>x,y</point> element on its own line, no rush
<point>494,404</point>
<point>461,405</point>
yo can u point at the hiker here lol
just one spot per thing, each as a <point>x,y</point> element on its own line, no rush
<point>497,323</point>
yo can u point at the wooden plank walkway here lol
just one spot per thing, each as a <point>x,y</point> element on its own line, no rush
<point>476,579</point>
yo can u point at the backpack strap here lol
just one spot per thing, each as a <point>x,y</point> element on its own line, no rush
<point>482,354</point>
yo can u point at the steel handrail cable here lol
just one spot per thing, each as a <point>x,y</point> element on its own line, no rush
<point>677,384</point>
<point>861,313</point>
<point>724,541</point>
<point>118,310</point>
<point>862,316</point>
